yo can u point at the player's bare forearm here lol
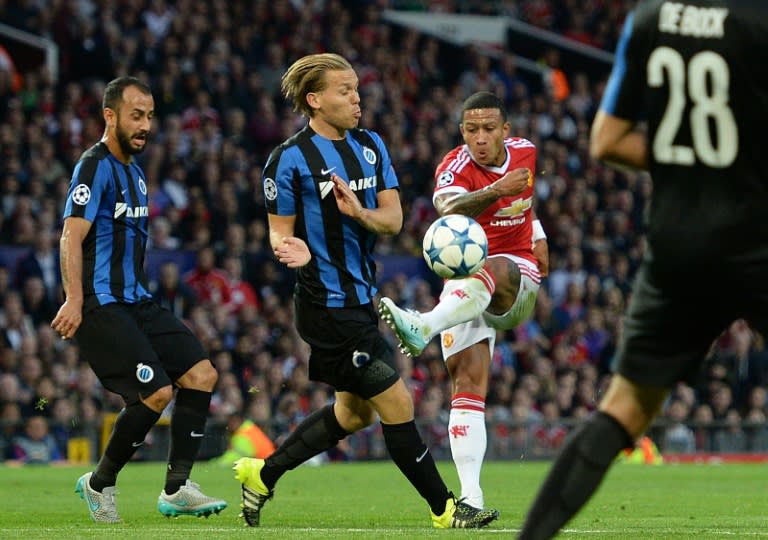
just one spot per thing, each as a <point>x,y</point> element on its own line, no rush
<point>70,314</point>
<point>619,142</point>
<point>470,204</point>
<point>276,238</point>
<point>288,249</point>
<point>386,220</point>
<point>71,261</point>
<point>541,253</point>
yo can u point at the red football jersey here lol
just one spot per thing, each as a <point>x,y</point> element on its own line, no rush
<point>507,222</point>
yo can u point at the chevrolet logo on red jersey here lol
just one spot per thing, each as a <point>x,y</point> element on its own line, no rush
<point>516,208</point>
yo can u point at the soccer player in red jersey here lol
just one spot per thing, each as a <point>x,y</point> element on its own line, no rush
<point>490,179</point>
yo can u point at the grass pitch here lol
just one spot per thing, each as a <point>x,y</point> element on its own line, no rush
<point>373,501</point>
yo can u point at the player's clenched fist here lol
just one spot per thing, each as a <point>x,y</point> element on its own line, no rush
<point>513,183</point>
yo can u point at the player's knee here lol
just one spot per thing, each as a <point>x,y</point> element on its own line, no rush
<point>507,276</point>
<point>367,417</point>
<point>398,407</point>
<point>359,420</point>
<point>354,416</point>
<point>202,376</point>
<point>633,406</point>
<point>159,399</point>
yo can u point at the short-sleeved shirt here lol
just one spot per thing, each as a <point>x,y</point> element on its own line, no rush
<point>297,182</point>
<point>113,197</point>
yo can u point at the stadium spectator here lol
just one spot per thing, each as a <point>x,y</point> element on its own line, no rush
<point>36,446</point>
<point>36,302</point>
<point>730,439</point>
<point>211,284</point>
<point>42,262</point>
<point>15,323</point>
<point>63,424</point>
<point>678,438</point>
<point>172,293</point>
<point>161,235</point>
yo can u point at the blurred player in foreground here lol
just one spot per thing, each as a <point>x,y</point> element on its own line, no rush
<point>697,73</point>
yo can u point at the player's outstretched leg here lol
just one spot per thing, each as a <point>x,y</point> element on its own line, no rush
<point>189,501</point>
<point>461,300</point>
<point>459,515</point>
<point>407,325</point>
<point>254,492</point>
<point>101,505</point>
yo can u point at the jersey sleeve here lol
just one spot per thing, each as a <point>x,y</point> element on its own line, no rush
<point>91,179</point>
<point>622,96</point>
<point>387,170</point>
<point>448,180</point>
<point>278,183</point>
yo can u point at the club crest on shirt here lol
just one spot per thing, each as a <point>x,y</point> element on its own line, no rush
<point>142,186</point>
<point>448,340</point>
<point>270,189</point>
<point>144,373</point>
<point>369,155</point>
<point>445,179</point>
<point>81,194</point>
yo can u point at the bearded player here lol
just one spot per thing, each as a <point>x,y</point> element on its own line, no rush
<point>488,178</point>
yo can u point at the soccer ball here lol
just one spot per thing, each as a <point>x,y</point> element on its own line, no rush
<point>455,246</point>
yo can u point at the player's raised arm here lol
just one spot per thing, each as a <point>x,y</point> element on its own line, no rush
<point>473,203</point>
<point>386,218</point>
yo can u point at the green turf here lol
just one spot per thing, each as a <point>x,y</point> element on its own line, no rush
<point>373,501</point>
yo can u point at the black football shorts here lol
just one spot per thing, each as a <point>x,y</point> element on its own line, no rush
<point>136,349</point>
<point>347,350</point>
<point>670,325</point>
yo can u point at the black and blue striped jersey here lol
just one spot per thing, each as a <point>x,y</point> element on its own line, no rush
<point>697,73</point>
<point>113,197</point>
<point>297,182</point>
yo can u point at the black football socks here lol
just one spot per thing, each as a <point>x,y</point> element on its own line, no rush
<point>575,476</point>
<point>317,433</point>
<point>414,460</point>
<point>187,429</point>
<point>131,427</point>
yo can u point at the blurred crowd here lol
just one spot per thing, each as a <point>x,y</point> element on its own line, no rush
<point>215,67</point>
